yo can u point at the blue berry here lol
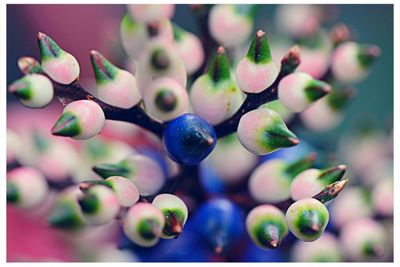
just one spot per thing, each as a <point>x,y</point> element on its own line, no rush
<point>188,139</point>
<point>220,223</point>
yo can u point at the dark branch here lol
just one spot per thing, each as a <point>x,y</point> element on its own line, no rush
<point>135,115</point>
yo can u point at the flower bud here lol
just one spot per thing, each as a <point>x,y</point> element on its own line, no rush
<point>144,172</point>
<point>363,240</point>
<point>351,61</point>
<point>324,249</point>
<point>312,181</point>
<point>165,99</point>
<point>143,224</point>
<point>26,187</point>
<point>307,219</point>
<point>29,65</point>
<point>262,131</point>
<point>61,66</point>
<point>266,225</point>
<point>256,71</point>
<point>231,161</point>
<point>151,12</point>
<point>33,90</point>
<point>124,189</point>
<point>270,182</point>
<point>160,59</point>
<point>326,113</point>
<point>99,205</point>
<point>81,119</point>
<point>298,90</point>
<point>115,86</point>
<point>383,198</point>
<point>189,48</point>
<point>175,213</point>
<point>214,95</point>
<point>188,139</point>
<point>231,25</point>
<point>66,213</point>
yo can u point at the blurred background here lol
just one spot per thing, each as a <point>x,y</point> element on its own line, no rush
<point>81,28</point>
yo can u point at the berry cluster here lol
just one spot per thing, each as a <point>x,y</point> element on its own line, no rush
<point>207,107</point>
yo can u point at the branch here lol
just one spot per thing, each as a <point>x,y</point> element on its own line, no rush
<point>289,63</point>
<point>135,115</point>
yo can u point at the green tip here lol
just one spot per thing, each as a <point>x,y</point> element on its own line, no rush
<point>89,203</point>
<point>65,216</point>
<point>166,100</point>
<point>21,88</point>
<point>66,125</point>
<point>149,229</point>
<point>174,219</point>
<point>268,234</point>
<point>338,99</point>
<point>316,89</point>
<point>106,170</point>
<point>86,185</point>
<point>160,59</point>
<point>12,193</point>
<point>219,69</point>
<point>367,55</point>
<point>277,135</point>
<point>48,48</point>
<point>127,23</point>
<point>104,71</point>
<point>333,174</point>
<point>259,51</point>
<point>294,168</point>
<point>29,65</point>
<point>178,32</point>
<point>331,191</point>
<point>42,144</point>
<point>291,60</point>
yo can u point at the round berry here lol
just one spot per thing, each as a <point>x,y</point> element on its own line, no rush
<point>188,139</point>
<point>307,219</point>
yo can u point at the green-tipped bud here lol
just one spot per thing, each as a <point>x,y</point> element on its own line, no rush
<point>81,119</point>
<point>307,219</point>
<point>312,181</point>
<point>99,205</point>
<point>333,174</point>
<point>259,51</point>
<point>66,212</point>
<point>262,131</point>
<point>219,69</point>
<point>351,61</point>
<point>33,90</point>
<point>61,66</point>
<point>331,191</point>
<point>296,167</point>
<point>256,72</point>
<point>143,224</point>
<point>29,65</point>
<point>266,225</point>
<point>175,213</point>
<point>26,187</point>
<point>115,86</point>
<point>299,90</point>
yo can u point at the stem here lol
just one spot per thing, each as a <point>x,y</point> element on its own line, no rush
<point>135,115</point>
